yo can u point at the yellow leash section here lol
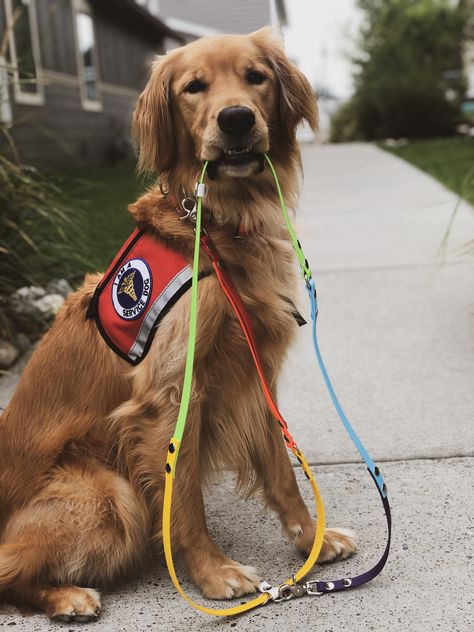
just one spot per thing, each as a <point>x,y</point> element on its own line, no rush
<point>265,596</point>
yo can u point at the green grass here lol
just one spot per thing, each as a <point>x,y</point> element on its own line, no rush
<point>99,199</point>
<point>449,160</point>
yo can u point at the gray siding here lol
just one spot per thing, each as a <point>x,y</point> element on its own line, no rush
<point>122,50</point>
<point>61,134</point>
<point>228,16</point>
<point>2,20</point>
<point>123,55</point>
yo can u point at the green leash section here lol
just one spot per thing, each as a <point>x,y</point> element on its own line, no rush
<point>304,265</point>
<point>188,371</point>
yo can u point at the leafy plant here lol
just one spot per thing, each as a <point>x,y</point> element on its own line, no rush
<point>409,79</point>
<point>36,234</point>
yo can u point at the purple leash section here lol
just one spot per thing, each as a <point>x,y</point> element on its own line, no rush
<point>317,587</point>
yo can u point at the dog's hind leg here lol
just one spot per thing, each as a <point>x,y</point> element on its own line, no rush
<point>277,478</point>
<point>86,527</point>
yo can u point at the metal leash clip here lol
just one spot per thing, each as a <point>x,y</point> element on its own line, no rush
<point>285,592</point>
<point>189,206</point>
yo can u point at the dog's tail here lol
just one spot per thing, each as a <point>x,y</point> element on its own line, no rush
<point>18,564</point>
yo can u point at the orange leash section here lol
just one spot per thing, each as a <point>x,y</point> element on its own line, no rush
<point>246,325</point>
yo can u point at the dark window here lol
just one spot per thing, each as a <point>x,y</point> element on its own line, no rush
<point>23,47</point>
<point>87,53</point>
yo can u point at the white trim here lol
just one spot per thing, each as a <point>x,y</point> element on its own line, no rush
<point>51,77</point>
<point>83,6</point>
<point>5,106</point>
<point>190,28</point>
<point>112,88</point>
<point>25,98</point>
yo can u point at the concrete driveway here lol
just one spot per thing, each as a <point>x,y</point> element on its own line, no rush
<point>396,330</point>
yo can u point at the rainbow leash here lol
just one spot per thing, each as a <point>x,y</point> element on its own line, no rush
<point>292,587</point>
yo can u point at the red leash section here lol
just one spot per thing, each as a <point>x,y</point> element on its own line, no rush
<point>246,325</point>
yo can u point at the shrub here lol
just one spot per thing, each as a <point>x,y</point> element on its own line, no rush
<point>344,124</point>
<point>36,234</point>
<point>409,80</point>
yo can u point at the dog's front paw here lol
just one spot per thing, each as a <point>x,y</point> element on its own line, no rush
<point>72,603</point>
<point>338,544</point>
<point>228,580</point>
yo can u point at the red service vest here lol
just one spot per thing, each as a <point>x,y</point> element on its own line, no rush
<point>141,284</point>
<point>138,288</point>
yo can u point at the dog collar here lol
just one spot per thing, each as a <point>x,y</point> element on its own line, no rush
<point>187,210</point>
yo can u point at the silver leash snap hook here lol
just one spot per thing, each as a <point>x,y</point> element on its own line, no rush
<point>285,592</point>
<point>188,204</point>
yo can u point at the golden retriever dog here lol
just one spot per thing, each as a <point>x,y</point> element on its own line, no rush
<point>83,442</point>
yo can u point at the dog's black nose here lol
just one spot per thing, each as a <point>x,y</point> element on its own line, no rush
<point>236,120</point>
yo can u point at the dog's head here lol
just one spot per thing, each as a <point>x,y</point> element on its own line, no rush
<point>224,99</point>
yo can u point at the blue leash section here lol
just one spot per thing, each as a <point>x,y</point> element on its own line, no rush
<point>317,587</point>
<point>373,469</point>
<point>322,587</point>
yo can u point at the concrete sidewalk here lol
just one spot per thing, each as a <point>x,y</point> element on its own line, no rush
<point>396,330</point>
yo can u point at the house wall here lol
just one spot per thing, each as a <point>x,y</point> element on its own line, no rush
<point>60,133</point>
<point>228,16</point>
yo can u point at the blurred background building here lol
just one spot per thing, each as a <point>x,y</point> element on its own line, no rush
<point>77,68</point>
<point>72,69</point>
<point>225,16</point>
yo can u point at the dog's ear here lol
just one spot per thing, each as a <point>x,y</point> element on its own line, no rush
<point>152,124</point>
<point>297,98</point>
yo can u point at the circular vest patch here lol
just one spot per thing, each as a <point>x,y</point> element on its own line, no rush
<point>131,289</point>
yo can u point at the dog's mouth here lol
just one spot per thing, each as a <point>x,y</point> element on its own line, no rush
<point>237,162</point>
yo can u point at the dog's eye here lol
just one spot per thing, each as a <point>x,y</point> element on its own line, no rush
<point>195,86</point>
<point>255,78</point>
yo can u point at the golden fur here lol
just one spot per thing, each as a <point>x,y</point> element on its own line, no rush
<point>84,439</point>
